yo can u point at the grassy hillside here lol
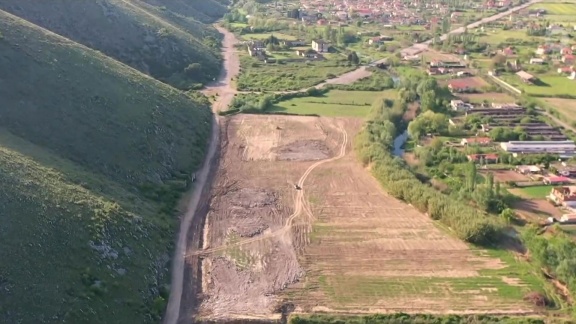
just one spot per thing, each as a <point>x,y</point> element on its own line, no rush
<point>80,134</point>
<point>161,38</point>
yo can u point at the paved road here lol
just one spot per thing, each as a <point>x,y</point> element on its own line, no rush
<point>225,93</point>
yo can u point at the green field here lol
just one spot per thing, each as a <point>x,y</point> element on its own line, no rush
<point>564,8</point>
<point>259,76</point>
<point>548,85</point>
<point>500,36</point>
<point>566,107</point>
<point>536,191</point>
<point>335,103</point>
<point>267,35</point>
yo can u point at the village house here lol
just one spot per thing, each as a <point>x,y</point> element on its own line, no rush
<point>555,180</point>
<point>459,86</point>
<point>566,70</point>
<point>320,46</point>
<point>572,76</point>
<point>568,59</point>
<point>543,49</point>
<point>528,169</point>
<point>459,105</point>
<point>537,61</point>
<point>476,141</point>
<point>563,196</point>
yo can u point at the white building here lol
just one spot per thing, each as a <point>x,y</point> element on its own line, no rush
<point>563,148</point>
<point>459,105</point>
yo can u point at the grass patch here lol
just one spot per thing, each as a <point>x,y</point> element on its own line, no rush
<point>566,107</point>
<point>334,103</point>
<point>536,191</point>
<point>547,86</point>
<point>262,36</point>
<point>564,8</point>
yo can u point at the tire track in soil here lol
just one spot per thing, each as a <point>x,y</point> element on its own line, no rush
<point>299,205</point>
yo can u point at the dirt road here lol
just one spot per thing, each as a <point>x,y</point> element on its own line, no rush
<point>225,92</point>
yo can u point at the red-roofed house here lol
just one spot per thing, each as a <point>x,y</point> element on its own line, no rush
<point>488,158</point>
<point>556,180</point>
<point>568,59</point>
<point>543,49</point>
<point>476,141</point>
<point>566,51</point>
<point>566,69</point>
<point>460,86</point>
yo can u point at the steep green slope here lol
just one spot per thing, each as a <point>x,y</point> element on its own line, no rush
<point>202,10</point>
<point>139,130</point>
<point>79,133</point>
<point>133,33</point>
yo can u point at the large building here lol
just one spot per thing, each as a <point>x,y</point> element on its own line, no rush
<point>563,148</point>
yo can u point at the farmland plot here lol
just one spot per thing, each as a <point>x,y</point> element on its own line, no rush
<point>335,243</point>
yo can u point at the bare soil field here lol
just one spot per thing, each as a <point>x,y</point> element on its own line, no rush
<point>507,175</point>
<point>489,96</point>
<point>536,209</point>
<point>340,244</point>
<point>254,203</point>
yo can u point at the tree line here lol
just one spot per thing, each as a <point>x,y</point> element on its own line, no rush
<point>374,145</point>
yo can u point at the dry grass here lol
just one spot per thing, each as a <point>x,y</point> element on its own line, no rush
<point>566,107</point>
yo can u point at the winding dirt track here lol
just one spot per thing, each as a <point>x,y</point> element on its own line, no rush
<point>299,205</point>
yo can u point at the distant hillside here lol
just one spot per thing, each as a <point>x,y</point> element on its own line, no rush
<point>162,38</point>
<point>92,154</point>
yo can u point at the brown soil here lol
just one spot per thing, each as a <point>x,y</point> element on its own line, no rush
<point>536,209</point>
<point>507,175</point>
<point>253,257</point>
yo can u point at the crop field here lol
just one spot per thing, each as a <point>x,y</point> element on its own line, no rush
<point>335,103</point>
<point>566,107</point>
<point>369,252</point>
<point>564,8</point>
<point>338,244</point>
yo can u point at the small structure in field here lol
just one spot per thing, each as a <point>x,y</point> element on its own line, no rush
<point>528,169</point>
<point>556,180</point>
<point>526,77</point>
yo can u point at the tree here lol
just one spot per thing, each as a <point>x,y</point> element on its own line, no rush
<point>471,176</point>
<point>498,61</point>
<point>353,58</point>
<point>508,215</point>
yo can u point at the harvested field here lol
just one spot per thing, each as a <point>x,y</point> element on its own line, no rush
<point>369,252</point>
<point>340,244</point>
